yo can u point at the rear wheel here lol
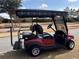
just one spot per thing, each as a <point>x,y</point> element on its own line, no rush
<point>70,45</point>
<point>34,51</point>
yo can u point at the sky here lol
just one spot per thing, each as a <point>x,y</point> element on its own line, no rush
<point>47,4</point>
<point>50,4</point>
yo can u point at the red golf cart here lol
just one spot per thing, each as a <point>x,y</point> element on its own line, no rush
<point>38,40</point>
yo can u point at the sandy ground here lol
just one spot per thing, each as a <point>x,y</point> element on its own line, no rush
<point>3,32</point>
<point>55,54</point>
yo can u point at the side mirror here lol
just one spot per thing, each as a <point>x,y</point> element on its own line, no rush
<point>49,26</point>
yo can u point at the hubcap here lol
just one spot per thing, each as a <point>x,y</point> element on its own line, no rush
<point>71,45</point>
<point>35,51</point>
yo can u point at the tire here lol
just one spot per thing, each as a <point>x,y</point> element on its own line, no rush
<point>34,51</point>
<point>70,45</point>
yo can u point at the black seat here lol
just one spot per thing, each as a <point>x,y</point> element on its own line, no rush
<point>38,28</point>
<point>60,37</point>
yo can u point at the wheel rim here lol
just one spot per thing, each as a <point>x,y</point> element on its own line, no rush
<point>35,51</point>
<point>71,45</point>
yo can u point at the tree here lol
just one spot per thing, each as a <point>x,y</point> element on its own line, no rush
<point>10,6</point>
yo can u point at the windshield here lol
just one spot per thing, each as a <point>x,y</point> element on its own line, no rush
<point>60,25</point>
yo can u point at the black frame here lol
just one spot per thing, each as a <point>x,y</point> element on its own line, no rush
<point>26,13</point>
<point>23,13</point>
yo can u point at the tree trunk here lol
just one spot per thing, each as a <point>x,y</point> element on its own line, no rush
<point>11,30</point>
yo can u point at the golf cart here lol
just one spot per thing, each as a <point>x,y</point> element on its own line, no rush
<point>38,40</point>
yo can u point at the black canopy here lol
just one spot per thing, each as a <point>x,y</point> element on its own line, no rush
<point>23,13</point>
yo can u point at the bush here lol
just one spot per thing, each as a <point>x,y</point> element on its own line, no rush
<point>72,20</point>
<point>5,21</point>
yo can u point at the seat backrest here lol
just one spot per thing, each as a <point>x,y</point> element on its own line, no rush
<point>38,28</point>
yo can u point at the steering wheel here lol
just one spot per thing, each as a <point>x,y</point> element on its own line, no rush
<point>50,26</point>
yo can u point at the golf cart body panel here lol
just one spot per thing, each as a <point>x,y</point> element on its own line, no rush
<point>45,40</point>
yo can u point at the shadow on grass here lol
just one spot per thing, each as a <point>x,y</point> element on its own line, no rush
<point>23,55</point>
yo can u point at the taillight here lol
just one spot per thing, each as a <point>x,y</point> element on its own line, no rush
<point>70,37</point>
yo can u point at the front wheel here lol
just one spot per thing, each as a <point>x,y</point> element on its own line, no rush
<point>34,51</point>
<point>70,45</point>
